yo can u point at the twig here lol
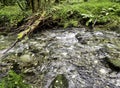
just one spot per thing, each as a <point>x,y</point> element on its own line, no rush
<point>11,46</point>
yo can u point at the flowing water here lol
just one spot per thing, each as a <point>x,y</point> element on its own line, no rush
<point>74,57</point>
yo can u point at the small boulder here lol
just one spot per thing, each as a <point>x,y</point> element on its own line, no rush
<point>26,58</point>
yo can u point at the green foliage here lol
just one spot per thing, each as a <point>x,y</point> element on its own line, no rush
<point>68,13</point>
<point>102,12</point>
<point>13,80</point>
<point>73,23</point>
<point>22,5</point>
<point>11,15</point>
<point>115,1</point>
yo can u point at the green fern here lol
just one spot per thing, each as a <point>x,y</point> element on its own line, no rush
<point>13,80</point>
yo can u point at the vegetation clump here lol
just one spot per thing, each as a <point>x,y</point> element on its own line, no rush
<point>101,13</point>
<point>13,80</point>
<point>64,13</point>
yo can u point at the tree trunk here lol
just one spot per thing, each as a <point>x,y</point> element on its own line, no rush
<point>33,4</point>
<point>37,5</point>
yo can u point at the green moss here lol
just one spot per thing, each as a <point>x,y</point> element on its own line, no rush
<point>115,62</point>
<point>72,23</point>
<point>10,10</point>
<point>11,15</point>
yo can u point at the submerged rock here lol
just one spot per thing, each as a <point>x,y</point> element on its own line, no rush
<point>81,55</point>
<point>60,81</point>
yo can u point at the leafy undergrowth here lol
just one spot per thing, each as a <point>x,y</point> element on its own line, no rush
<point>88,13</point>
<point>11,15</point>
<point>13,80</point>
<point>94,13</point>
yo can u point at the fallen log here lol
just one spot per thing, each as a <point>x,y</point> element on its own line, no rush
<point>30,28</point>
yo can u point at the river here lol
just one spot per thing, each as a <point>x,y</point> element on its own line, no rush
<point>73,56</point>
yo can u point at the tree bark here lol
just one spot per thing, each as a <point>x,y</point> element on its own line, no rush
<point>33,4</point>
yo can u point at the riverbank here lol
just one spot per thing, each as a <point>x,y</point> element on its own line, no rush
<point>102,15</point>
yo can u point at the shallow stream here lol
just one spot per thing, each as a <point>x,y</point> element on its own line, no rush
<point>74,57</point>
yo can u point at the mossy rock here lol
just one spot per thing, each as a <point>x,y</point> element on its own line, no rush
<point>115,62</point>
<point>114,58</point>
<point>59,82</point>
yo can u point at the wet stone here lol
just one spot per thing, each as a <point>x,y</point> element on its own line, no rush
<point>68,58</point>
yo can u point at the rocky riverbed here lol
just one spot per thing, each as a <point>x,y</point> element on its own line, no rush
<point>65,58</point>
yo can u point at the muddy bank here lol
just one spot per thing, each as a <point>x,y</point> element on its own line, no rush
<point>68,58</point>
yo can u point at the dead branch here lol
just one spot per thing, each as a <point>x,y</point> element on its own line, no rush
<point>32,25</point>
